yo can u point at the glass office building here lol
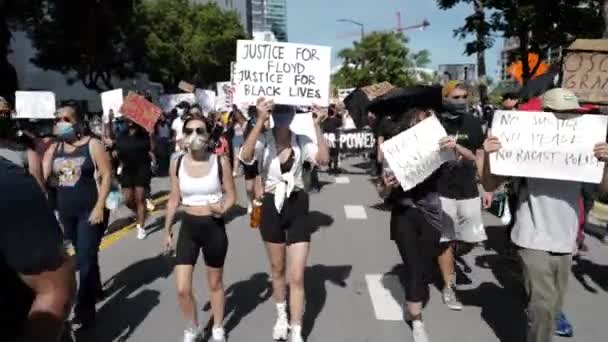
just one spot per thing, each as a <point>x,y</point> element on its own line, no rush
<point>270,15</point>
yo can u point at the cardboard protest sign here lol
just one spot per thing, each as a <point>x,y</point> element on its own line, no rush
<point>141,111</point>
<point>376,90</point>
<point>541,145</point>
<point>35,105</point>
<point>111,100</point>
<point>414,154</point>
<point>585,70</point>
<point>291,74</point>
<point>351,141</point>
<point>303,124</point>
<point>205,99</point>
<point>185,86</point>
<point>170,101</point>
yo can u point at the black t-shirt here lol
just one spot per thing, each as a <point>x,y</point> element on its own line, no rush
<point>30,243</point>
<point>459,178</point>
<point>133,150</point>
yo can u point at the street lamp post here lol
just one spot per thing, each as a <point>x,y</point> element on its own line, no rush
<point>361,26</point>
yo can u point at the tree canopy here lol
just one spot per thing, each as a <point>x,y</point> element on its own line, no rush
<point>538,24</point>
<point>188,41</point>
<point>379,57</point>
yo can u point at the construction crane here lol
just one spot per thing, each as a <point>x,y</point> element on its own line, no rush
<point>399,28</point>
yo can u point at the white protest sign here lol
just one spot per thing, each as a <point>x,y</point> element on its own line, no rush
<point>170,101</point>
<point>35,105</point>
<point>111,100</point>
<point>223,101</point>
<point>205,99</point>
<point>303,124</point>
<point>291,74</point>
<point>541,145</point>
<point>414,154</point>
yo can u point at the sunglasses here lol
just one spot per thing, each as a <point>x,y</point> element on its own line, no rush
<point>198,130</point>
<point>461,97</point>
<point>63,119</point>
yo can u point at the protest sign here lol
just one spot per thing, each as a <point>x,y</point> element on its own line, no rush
<point>35,105</point>
<point>585,70</point>
<point>376,90</point>
<point>541,145</point>
<point>169,101</point>
<point>351,141</point>
<point>223,100</point>
<point>291,74</point>
<point>414,154</point>
<point>205,99</point>
<point>111,100</point>
<point>303,124</point>
<point>185,86</point>
<point>141,111</point>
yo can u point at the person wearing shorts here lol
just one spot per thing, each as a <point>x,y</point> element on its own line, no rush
<point>458,186</point>
<point>202,182</point>
<point>284,226</point>
<point>135,153</point>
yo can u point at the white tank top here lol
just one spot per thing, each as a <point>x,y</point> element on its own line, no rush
<point>200,191</point>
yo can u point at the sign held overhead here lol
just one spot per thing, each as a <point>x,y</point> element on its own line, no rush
<point>35,105</point>
<point>141,111</point>
<point>291,74</point>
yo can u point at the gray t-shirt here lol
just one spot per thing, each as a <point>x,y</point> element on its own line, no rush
<point>15,154</point>
<point>547,217</point>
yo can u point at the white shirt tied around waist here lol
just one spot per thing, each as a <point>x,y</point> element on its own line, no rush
<point>282,185</point>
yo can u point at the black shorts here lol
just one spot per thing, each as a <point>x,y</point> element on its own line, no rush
<point>250,171</point>
<point>202,232</point>
<point>136,176</point>
<point>291,225</point>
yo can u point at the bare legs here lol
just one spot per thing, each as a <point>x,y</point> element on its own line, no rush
<point>187,301</point>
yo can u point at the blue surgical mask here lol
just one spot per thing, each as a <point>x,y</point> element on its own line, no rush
<point>65,130</point>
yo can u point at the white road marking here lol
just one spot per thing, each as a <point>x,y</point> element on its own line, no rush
<point>383,288</point>
<point>342,180</point>
<point>355,212</point>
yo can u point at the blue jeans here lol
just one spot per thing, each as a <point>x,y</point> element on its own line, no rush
<point>86,239</point>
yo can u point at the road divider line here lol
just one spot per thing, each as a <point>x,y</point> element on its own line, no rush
<point>383,288</point>
<point>342,180</point>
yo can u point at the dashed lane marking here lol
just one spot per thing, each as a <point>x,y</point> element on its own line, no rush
<point>355,212</point>
<point>342,180</point>
<point>111,239</point>
<point>386,293</point>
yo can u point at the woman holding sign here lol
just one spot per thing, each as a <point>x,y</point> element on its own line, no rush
<point>416,218</point>
<point>283,226</point>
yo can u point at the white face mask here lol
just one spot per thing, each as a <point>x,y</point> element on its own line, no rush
<point>180,111</point>
<point>197,142</point>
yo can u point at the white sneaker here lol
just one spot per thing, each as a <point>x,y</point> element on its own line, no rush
<point>296,334</point>
<point>218,335</point>
<point>141,233</point>
<point>149,205</point>
<point>191,335</point>
<point>419,332</point>
<point>281,327</point>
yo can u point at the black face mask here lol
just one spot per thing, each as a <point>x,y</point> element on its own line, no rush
<point>454,108</point>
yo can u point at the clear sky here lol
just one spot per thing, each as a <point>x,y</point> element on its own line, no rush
<point>314,22</point>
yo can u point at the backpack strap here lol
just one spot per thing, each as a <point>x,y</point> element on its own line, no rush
<point>220,169</point>
<point>178,165</point>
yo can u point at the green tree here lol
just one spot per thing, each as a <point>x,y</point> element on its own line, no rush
<point>188,41</point>
<point>537,24</point>
<point>379,57</point>
<point>88,40</point>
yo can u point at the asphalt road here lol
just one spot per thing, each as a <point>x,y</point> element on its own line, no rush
<point>352,282</point>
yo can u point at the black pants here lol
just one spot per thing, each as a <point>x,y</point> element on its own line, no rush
<point>418,244</point>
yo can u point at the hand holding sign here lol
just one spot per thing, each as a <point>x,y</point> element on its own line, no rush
<point>601,151</point>
<point>264,109</point>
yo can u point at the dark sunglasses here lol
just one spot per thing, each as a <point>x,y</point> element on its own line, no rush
<point>63,119</point>
<point>462,97</point>
<point>198,130</point>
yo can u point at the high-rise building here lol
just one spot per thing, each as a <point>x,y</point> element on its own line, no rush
<point>241,7</point>
<point>270,15</point>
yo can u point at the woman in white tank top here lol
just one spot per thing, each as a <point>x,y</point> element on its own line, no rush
<point>202,182</point>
